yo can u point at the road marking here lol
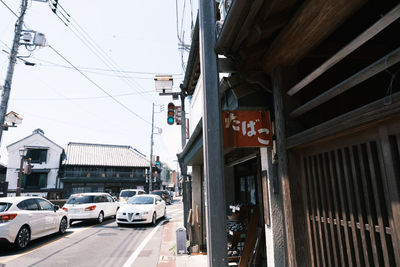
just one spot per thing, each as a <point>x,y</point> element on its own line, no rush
<point>45,244</point>
<point>135,254</point>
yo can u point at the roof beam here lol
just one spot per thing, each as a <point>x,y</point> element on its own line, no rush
<point>377,27</point>
<point>314,21</point>
<point>366,73</point>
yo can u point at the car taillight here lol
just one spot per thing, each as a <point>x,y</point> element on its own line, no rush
<point>90,208</point>
<point>64,208</point>
<point>7,217</point>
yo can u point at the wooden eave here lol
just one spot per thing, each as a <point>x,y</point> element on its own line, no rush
<point>264,34</point>
<point>192,72</point>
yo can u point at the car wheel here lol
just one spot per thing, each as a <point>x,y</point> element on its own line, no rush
<point>165,212</point>
<point>23,237</point>
<point>100,219</point>
<point>63,225</point>
<point>154,219</point>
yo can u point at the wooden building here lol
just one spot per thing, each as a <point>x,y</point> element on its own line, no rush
<point>328,72</point>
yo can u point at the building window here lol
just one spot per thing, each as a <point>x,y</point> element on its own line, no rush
<point>37,155</point>
<point>34,180</point>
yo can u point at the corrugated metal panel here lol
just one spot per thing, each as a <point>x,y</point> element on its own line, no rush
<point>103,155</point>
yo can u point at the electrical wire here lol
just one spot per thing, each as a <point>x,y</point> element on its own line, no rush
<point>99,73</point>
<point>99,87</point>
<point>88,41</point>
<point>105,70</point>
<point>12,11</point>
<point>76,98</point>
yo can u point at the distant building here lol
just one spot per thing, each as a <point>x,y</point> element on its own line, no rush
<point>3,172</point>
<point>45,158</point>
<point>102,168</point>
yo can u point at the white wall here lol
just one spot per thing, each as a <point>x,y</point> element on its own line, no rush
<point>196,106</point>
<point>52,162</point>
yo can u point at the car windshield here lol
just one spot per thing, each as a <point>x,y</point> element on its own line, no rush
<point>4,206</point>
<point>141,200</point>
<point>80,199</point>
<point>128,193</point>
<point>158,193</point>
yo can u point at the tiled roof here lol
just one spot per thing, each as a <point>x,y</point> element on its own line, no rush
<point>103,155</point>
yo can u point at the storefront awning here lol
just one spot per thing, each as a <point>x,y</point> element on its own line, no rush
<point>192,153</point>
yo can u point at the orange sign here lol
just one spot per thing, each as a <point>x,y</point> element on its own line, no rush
<point>244,128</point>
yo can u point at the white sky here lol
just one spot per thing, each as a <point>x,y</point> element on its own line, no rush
<point>139,36</point>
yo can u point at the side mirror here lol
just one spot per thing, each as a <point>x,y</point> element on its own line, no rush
<point>56,207</point>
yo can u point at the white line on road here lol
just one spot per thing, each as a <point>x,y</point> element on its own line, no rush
<point>135,254</point>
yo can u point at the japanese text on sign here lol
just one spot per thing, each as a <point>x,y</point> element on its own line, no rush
<point>246,128</point>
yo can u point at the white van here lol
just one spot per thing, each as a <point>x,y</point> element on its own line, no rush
<point>126,194</point>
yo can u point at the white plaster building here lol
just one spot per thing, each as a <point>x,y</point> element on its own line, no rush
<point>45,157</point>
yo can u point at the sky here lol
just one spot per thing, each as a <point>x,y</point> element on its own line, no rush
<point>134,41</point>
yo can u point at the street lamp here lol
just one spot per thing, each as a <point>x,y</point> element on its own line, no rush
<point>22,153</point>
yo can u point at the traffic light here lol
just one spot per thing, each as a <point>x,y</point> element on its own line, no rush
<point>171,113</point>
<point>178,115</point>
<point>157,161</point>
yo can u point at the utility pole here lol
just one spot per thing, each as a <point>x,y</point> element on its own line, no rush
<point>151,152</point>
<point>212,139</point>
<point>10,71</point>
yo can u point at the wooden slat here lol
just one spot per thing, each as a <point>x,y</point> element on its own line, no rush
<point>372,31</point>
<point>377,204</point>
<point>368,113</point>
<point>352,212</point>
<point>391,189</point>
<point>314,21</point>
<point>367,197</point>
<point>336,207</point>
<point>317,207</point>
<point>313,212</point>
<point>366,73</point>
<point>358,205</point>
<point>320,182</point>
<point>330,208</point>
<point>305,187</point>
<point>343,203</point>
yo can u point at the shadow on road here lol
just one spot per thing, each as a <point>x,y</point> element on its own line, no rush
<point>7,249</point>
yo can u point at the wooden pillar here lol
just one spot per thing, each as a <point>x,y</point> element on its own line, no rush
<point>280,133</point>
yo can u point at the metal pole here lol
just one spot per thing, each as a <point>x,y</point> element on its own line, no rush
<point>183,120</point>
<point>21,165</point>
<point>151,152</point>
<point>212,139</point>
<point>10,71</point>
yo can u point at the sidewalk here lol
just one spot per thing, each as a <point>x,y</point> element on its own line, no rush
<point>168,257</point>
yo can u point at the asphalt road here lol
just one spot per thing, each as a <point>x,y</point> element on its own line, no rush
<point>90,244</point>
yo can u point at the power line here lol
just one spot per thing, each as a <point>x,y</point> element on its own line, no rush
<point>99,87</point>
<point>105,70</point>
<point>85,38</point>
<point>12,11</point>
<point>77,98</point>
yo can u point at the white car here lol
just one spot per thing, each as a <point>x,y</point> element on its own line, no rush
<point>23,219</point>
<point>142,209</point>
<point>90,206</point>
<point>126,194</point>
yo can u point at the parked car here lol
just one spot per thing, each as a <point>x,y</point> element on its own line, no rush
<point>142,209</point>
<point>126,194</point>
<point>164,194</point>
<point>90,206</point>
<point>23,219</point>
